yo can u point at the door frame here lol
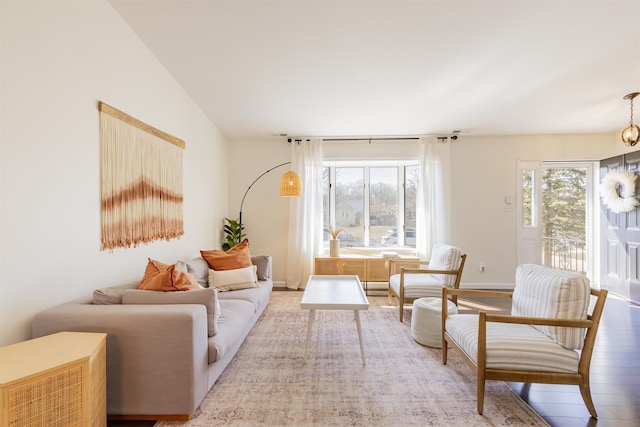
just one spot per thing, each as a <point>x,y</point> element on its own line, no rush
<point>530,236</point>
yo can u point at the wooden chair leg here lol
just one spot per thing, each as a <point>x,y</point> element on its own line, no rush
<point>444,351</point>
<point>585,391</point>
<point>401,307</point>
<point>480,385</point>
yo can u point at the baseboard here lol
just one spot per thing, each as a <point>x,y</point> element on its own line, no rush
<point>491,286</point>
<point>132,418</point>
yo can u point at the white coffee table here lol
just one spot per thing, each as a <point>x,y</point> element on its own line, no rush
<point>334,293</point>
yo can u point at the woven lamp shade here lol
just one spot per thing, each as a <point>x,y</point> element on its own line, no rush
<point>290,185</point>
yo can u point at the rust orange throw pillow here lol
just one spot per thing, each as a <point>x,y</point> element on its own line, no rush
<point>236,257</point>
<point>164,277</point>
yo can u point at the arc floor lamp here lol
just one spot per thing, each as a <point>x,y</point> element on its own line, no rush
<point>290,186</point>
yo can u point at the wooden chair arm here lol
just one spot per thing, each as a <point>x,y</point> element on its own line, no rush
<point>476,293</point>
<point>468,292</point>
<point>406,270</point>
<point>546,321</point>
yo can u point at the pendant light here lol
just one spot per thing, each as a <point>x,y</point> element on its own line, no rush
<point>631,134</point>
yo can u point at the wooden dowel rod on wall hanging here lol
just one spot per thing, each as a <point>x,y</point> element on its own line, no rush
<point>108,109</point>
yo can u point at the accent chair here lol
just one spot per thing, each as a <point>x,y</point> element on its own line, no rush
<point>419,279</point>
<point>548,338</point>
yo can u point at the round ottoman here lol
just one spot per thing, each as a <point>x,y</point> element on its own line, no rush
<point>426,321</point>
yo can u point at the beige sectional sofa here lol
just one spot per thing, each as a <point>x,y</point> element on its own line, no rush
<point>165,350</point>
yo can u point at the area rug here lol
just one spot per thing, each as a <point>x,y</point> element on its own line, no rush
<point>403,383</point>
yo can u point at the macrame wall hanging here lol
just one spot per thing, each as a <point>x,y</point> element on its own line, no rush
<point>141,181</point>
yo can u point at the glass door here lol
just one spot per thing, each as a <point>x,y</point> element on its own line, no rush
<point>566,216</point>
<point>557,225</point>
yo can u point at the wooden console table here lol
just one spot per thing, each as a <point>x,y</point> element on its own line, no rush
<point>367,268</point>
<point>55,380</point>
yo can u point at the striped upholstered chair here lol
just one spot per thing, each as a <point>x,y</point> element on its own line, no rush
<point>540,341</point>
<point>419,279</point>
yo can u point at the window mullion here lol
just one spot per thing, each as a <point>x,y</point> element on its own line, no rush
<point>365,213</point>
<point>400,218</point>
<point>332,195</point>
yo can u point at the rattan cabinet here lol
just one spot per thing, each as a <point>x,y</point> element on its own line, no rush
<point>367,268</point>
<point>56,380</point>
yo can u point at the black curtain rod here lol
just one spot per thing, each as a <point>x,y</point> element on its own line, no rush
<point>441,138</point>
<point>412,138</point>
<point>400,138</point>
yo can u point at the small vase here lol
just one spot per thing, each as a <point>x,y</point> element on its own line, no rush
<point>334,248</point>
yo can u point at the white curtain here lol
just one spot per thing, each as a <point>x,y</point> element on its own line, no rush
<point>432,201</point>
<point>305,213</point>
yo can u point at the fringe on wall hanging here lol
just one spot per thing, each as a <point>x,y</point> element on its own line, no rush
<point>141,181</point>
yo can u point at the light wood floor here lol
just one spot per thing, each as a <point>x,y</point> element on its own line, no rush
<point>615,372</point>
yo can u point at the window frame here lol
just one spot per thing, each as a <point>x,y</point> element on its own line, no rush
<point>401,197</point>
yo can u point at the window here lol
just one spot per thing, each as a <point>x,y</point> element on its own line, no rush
<point>528,198</point>
<point>371,201</point>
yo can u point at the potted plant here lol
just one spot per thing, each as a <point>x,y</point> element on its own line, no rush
<point>334,243</point>
<point>233,233</point>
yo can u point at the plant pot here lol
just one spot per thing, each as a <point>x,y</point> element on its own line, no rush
<point>334,248</point>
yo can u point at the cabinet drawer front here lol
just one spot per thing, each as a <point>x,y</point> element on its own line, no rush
<point>378,270</point>
<point>326,266</point>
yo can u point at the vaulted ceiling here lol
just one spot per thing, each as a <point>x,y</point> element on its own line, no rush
<point>394,67</point>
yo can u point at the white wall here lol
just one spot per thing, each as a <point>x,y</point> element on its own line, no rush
<point>483,173</point>
<point>58,59</point>
<point>265,215</point>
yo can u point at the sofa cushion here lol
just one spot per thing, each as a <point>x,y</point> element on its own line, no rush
<point>198,267</point>
<point>236,257</point>
<point>113,294</point>
<point>544,292</point>
<point>207,297</point>
<point>262,263</point>
<point>512,346</point>
<point>234,317</point>
<point>231,280</point>
<point>417,285</point>
<point>257,296</point>
<point>164,277</point>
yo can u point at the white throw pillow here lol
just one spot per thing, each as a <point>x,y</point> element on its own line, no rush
<point>232,280</point>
